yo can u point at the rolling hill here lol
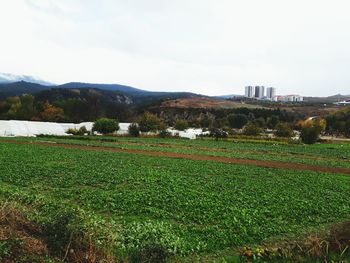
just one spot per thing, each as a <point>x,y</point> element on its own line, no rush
<point>138,95</point>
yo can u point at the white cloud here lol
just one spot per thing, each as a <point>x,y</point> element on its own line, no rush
<point>205,46</point>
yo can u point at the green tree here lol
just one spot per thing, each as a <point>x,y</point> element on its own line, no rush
<point>27,110</point>
<point>14,104</point>
<point>310,134</point>
<point>134,130</point>
<point>237,121</point>
<point>149,122</point>
<point>272,122</point>
<point>105,125</point>
<point>251,129</point>
<point>283,130</point>
<point>181,125</point>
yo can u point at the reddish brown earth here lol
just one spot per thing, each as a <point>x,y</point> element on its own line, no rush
<point>205,103</point>
<point>268,164</point>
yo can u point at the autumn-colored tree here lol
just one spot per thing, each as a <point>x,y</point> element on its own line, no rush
<point>51,113</point>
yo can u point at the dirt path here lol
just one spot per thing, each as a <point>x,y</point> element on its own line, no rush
<point>268,164</point>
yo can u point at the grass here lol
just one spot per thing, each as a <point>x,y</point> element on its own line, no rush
<point>129,203</point>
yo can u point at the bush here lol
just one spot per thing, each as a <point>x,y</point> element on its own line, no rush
<point>105,126</point>
<point>81,131</point>
<point>251,129</point>
<point>72,131</point>
<point>181,125</point>
<point>310,135</point>
<point>134,130</point>
<point>283,130</point>
<point>218,133</point>
<point>164,134</point>
<point>149,122</point>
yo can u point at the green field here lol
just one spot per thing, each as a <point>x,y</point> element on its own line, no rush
<point>127,202</point>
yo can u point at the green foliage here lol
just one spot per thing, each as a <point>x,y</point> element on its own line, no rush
<point>251,129</point>
<point>82,131</point>
<point>149,122</point>
<point>181,125</point>
<point>339,122</point>
<point>272,122</point>
<point>105,126</point>
<point>237,120</point>
<point>134,130</point>
<point>155,207</point>
<point>310,135</point>
<point>164,134</point>
<point>283,130</point>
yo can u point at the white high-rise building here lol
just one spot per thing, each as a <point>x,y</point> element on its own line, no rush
<point>259,92</point>
<point>270,93</point>
<point>249,91</point>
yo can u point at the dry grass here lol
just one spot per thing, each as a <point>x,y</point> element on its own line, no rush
<point>324,247</point>
<point>26,242</point>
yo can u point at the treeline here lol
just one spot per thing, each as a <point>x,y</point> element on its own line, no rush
<point>75,105</point>
<point>338,123</point>
<point>67,106</point>
<point>227,118</point>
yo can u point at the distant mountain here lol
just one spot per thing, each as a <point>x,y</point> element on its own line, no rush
<point>19,88</point>
<point>110,87</point>
<point>10,78</point>
<point>138,95</point>
<point>92,95</point>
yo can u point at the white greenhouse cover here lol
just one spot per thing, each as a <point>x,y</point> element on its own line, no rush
<point>34,128</point>
<point>190,133</point>
<point>30,128</point>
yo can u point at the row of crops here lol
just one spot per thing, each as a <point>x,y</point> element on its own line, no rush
<point>328,155</point>
<point>128,202</point>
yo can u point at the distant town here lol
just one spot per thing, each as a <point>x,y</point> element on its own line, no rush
<point>258,92</point>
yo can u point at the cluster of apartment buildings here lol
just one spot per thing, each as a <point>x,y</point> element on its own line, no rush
<point>258,92</point>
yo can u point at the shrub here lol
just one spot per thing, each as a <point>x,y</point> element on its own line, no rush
<point>105,126</point>
<point>164,134</point>
<point>82,131</point>
<point>310,135</point>
<point>218,133</point>
<point>149,122</point>
<point>283,130</point>
<point>134,130</point>
<point>181,125</point>
<point>251,129</point>
<point>72,131</point>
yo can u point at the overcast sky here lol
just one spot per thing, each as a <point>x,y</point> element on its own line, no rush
<point>210,47</point>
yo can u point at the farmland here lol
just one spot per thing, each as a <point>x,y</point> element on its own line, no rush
<point>125,202</point>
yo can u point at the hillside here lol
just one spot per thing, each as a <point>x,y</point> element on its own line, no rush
<point>329,99</point>
<point>138,95</point>
<point>19,88</point>
<point>206,103</point>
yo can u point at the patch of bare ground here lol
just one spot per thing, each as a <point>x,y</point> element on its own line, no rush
<point>206,103</point>
<point>330,246</point>
<point>21,239</point>
<point>221,159</point>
